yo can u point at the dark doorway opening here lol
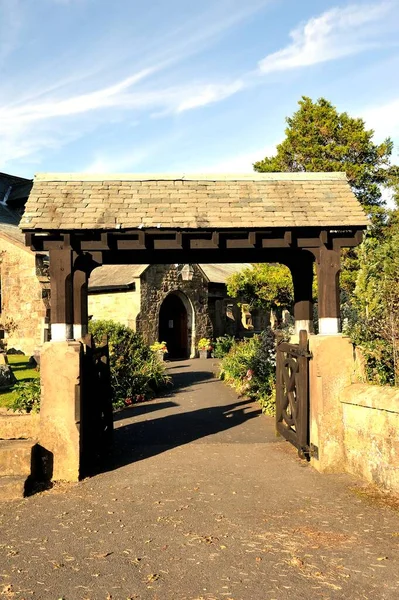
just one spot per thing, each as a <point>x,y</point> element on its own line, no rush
<point>173,326</point>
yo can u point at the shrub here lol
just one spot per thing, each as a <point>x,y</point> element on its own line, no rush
<point>250,368</point>
<point>223,345</point>
<point>27,397</point>
<point>136,372</point>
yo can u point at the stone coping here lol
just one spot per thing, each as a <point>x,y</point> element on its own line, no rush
<point>320,176</point>
<point>376,397</point>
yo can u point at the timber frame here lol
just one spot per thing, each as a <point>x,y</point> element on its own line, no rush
<point>74,254</point>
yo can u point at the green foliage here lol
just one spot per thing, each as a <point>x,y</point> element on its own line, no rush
<point>136,372</point>
<point>223,345</point>
<point>373,323</point>
<point>250,367</point>
<point>26,397</point>
<point>23,371</point>
<point>263,285</point>
<point>319,138</point>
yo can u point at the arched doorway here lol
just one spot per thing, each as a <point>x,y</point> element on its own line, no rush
<point>173,326</point>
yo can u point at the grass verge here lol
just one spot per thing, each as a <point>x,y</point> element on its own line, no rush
<point>23,371</point>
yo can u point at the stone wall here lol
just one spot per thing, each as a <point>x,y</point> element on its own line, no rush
<point>354,426</point>
<point>370,417</point>
<point>21,296</point>
<point>160,280</point>
<point>117,306</point>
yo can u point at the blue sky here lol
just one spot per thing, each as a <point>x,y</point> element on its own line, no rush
<point>174,85</point>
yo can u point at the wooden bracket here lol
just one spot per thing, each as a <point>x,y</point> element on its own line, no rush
<point>169,244</point>
<point>244,242</point>
<point>278,242</point>
<point>206,243</point>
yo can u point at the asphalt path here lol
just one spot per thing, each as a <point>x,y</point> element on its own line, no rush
<point>200,501</point>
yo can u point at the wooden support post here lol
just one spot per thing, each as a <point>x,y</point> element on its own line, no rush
<point>80,307</point>
<point>61,283</point>
<point>302,278</point>
<point>328,269</point>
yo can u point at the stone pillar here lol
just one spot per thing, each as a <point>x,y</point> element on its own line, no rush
<point>61,282</point>
<point>80,304</point>
<point>60,369</point>
<point>302,278</point>
<point>331,369</point>
<point>328,269</point>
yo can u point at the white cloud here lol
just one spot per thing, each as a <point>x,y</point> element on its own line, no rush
<point>334,34</point>
<point>106,97</point>
<point>50,115</point>
<point>208,94</point>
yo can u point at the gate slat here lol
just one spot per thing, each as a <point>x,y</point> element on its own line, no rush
<point>296,430</point>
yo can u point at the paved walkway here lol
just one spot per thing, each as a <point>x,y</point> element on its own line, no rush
<point>201,502</point>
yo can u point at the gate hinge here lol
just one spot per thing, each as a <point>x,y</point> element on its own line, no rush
<point>308,452</point>
<point>314,451</point>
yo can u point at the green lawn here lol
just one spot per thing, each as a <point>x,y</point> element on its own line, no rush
<point>22,371</point>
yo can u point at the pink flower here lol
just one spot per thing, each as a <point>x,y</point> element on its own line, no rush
<point>249,374</point>
<point>128,401</point>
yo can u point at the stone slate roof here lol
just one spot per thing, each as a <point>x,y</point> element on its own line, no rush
<point>15,189</point>
<point>9,221</point>
<point>73,201</point>
<point>123,275</point>
<point>114,275</point>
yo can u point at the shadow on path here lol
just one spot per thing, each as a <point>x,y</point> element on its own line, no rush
<point>137,441</point>
<point>142,409</point>
<point>186,379</point>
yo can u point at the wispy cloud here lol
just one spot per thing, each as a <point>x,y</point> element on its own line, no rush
<point>107,97</point>
<point>208,94</point>
<point>53,114</point>
<point>334,34</point>
<point>31,119</point>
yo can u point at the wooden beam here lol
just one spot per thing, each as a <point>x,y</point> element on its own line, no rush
<point>348,241</point>
<point>313,242</point>
<point>242,242</point>
<point>169,244</point>
<point>278,242</point>
<point>136,243</point>
<point>205,244</point>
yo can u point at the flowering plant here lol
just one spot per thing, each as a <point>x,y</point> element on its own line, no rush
<point>205,344</point>
<point>159,347</point>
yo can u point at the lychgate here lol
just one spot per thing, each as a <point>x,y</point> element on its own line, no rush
<point>84,221</point>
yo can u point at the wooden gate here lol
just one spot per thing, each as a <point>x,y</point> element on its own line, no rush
<point>292,393</point>
<point>96,405</point>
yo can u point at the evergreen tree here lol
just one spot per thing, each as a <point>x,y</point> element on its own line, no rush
<point>319,138</point>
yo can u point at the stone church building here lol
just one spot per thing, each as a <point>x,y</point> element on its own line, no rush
<point>178,304</point>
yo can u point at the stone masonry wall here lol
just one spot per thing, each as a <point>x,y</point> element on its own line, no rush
<point>160,280</point>
<point>21,296</point>
<point>122,307</point>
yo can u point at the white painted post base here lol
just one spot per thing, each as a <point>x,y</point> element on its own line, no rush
<point>79,331</point>
<point>329,326</point>
<point>61,332</point>
<point>305,324</point>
